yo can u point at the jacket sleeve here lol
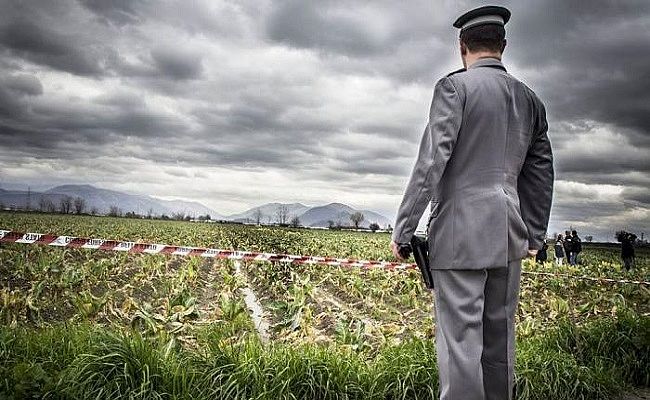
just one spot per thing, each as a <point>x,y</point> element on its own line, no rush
<point>436,147</point>
<point>535,184</point>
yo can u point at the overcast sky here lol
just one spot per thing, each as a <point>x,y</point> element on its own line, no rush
<point>238,103</point>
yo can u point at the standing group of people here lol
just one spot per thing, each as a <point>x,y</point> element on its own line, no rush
<point>569,246</point>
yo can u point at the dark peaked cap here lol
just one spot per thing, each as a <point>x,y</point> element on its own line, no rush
<point>482,16</point>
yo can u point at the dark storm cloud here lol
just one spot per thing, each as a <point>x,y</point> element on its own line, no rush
<point>571,211</point>
<point>177,64</point>
<point>595,163</point>
<point>632,179</point>
<point>335,92</point>
<point>14,89</point>
<point>587,57</point>
<point>329,26</point>
<point>22,84</point>
<point>374,38</point>
<point>44,46</point>
<point>118,12</point>
<point>638,194</point>
<point>76,129</point>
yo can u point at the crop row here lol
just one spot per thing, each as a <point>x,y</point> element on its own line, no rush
<point>364,308</point>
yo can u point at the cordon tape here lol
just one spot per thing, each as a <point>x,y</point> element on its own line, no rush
<point>149,248</point>
<point>8,236</point>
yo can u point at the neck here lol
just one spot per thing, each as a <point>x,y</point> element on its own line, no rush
<point>471,58</point>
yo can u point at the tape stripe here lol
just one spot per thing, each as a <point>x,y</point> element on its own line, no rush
<point>8,236</point>
<point>150,248</point>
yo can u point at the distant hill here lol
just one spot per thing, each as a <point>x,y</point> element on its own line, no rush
<point>268,212</point>
<point>102,199</point>
<point>340,215</point>
<point>318,216</point>
<point>20,198</point>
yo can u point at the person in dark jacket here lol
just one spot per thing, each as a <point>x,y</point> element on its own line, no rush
<point>627,249</point>
<point>576,247</point>
<point>559,249</point>
<point>542,255</point>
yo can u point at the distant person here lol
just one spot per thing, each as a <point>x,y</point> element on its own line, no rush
<point>485,166</point>
<point>576,247</point>
<point>627,249</point>
<point>542,255</point>
<point>567,246</point>
<point>559,249</point>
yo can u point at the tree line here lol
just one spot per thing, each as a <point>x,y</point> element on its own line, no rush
<point>66,205</point>
<point>78,205</point>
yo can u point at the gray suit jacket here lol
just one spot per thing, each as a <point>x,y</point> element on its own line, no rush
<point>486,166</point>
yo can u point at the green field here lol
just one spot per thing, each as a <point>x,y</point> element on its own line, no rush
<point>88,324</point>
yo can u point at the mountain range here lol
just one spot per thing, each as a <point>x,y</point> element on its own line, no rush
<point>101,200</point>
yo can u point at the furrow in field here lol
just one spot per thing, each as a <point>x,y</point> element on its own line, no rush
<point>324,295</point>
<point>294,315</point>
<point>211,287</point>
<point>254,306</point>
<point>401,305</point>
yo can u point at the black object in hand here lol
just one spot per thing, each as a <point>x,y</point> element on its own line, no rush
<point>420,249</point>
<point>404,250</point>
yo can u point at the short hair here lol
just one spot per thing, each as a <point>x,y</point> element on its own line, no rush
<point>487,37</point>
<point>574,232</point>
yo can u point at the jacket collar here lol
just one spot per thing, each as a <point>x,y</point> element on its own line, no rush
<point>488,62</point>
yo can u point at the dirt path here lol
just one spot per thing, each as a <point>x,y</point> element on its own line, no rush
<point>254,306</point>
<point>209,297</point>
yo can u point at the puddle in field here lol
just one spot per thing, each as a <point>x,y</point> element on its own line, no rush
<point>254,306</point>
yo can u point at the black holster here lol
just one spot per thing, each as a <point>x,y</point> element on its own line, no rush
<point>419,246</point>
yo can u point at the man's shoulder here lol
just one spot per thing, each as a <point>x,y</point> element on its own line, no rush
<point>531,93</point>
<point>458,71</point>
<point>451,83</point>
<point>474,76</point>
<point>451,77</point>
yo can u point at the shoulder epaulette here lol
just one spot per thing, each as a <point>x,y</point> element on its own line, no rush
<point>457,71</point>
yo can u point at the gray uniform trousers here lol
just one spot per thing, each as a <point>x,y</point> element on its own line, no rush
<point>475,331</point>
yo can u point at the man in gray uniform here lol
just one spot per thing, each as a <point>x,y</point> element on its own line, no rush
<point>486,166</point>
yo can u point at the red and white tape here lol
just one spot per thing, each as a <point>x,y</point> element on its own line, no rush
<point>151,248</point>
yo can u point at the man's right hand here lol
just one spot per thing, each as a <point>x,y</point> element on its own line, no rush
<point>532,253</point>
<point>395,248</point>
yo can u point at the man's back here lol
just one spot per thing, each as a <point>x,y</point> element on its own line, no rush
<point>478,220</point>
<point>499,117</point>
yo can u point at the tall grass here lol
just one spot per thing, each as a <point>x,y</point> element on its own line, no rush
<point>595,361</point>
